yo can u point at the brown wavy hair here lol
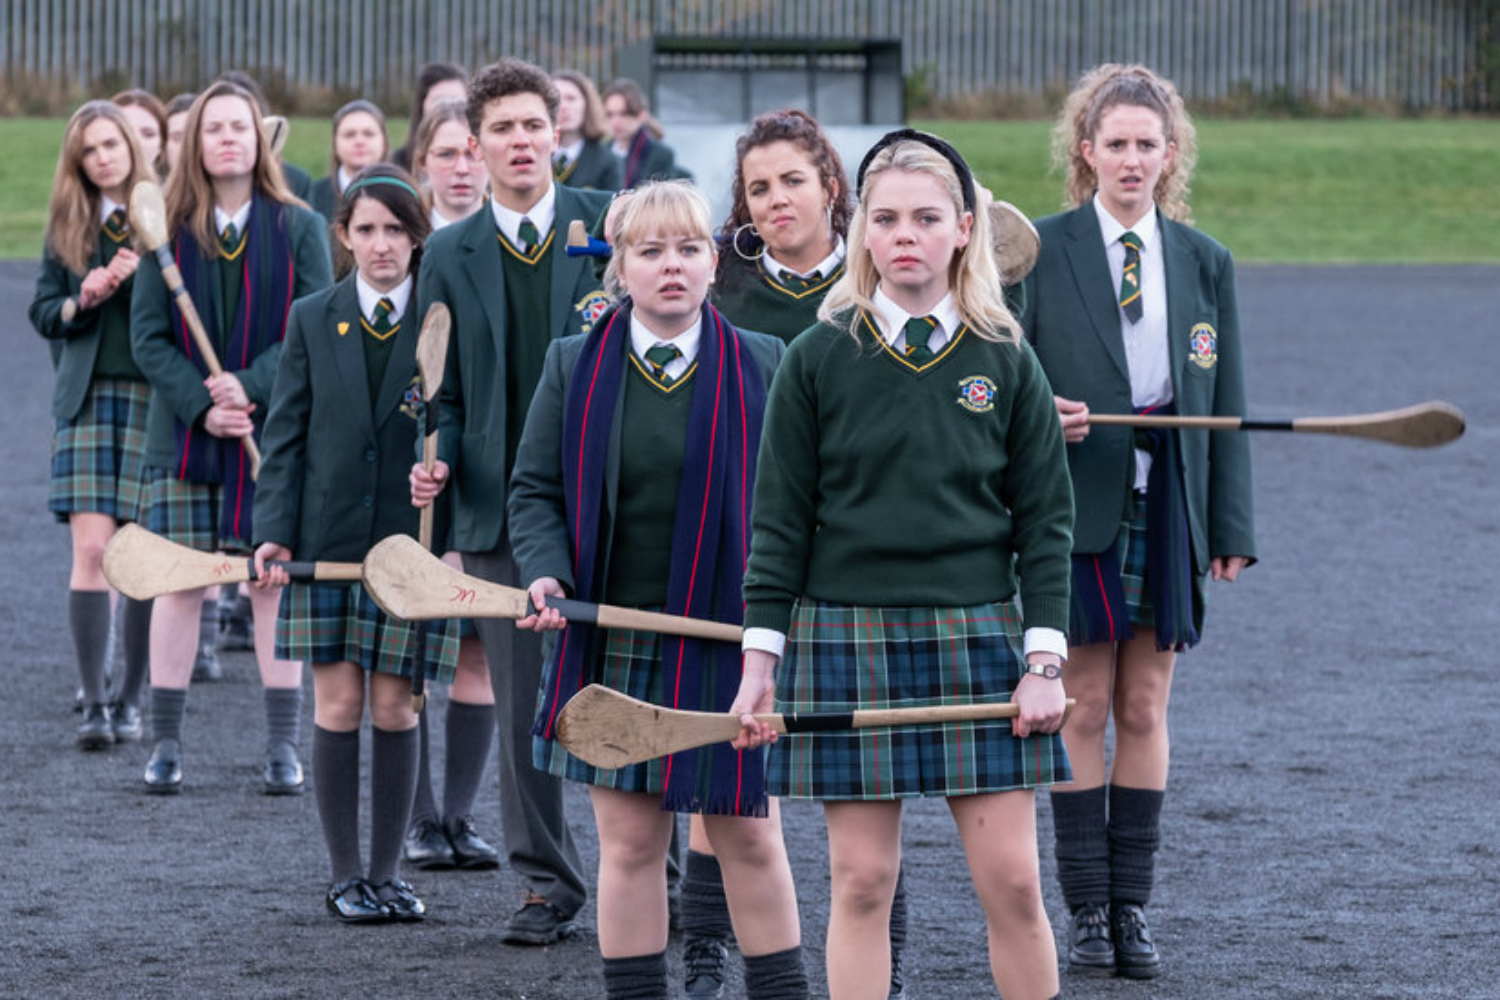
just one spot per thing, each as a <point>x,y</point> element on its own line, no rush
<point>73,210</point>
<point>803,131</point>
<point>138,98</point>
<point>594,125</point>
<point>1108,86</point>
<point>506,77</point>
<point>190,193</point>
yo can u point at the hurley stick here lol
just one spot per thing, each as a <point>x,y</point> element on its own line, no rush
<point>432,358</point>
<point>605,728</point>
<point>148,215</point>
<point>409,582</point>
<point>1015,242</point>
<point>1425,425</point>
<point>143,565</point>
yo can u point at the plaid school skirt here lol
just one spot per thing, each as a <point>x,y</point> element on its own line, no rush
<point>841,658</point>
<point>188,513</point>
<point>335,622</point>
<point>98,457</point>
<point>630,664</point>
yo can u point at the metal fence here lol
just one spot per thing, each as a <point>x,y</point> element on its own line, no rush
<point>1420,54</point>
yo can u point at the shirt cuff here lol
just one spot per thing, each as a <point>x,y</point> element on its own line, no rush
<point>764,639</point>
<point>1038,640</point>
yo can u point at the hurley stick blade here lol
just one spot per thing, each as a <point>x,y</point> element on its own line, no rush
<point>148,215</point>
<point>1015,241</point>
<point>277,131</point>
<point>144,565</point>
<point>411,583</point>
<point>608,729</point>
<point>1426,425</point>
<point>432,348</point>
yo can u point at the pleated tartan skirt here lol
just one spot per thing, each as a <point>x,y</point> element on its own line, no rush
<point>335,622</point>
<point>843,658</point>
<point>98,457</point>
<point>188,513</point>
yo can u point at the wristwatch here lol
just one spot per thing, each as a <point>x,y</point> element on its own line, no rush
<point>1051,671</point>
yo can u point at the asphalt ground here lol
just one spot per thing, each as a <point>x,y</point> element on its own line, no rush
<point>1331,824</point>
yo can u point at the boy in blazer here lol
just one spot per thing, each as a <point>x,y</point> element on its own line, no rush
<point>512,290</point>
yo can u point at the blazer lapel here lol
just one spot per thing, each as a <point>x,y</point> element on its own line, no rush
<point>347,340</point>
<point>1085,250</point>
<point>1181,295</point>
<point>481,247</point>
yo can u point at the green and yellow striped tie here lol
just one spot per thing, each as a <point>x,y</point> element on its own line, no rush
<point>529,235</point>
<point>918,330</point>
<point>658,358</point>
<point>1130,279</point>
<point>381,327</point>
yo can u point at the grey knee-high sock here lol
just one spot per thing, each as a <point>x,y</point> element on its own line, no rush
<point>424,804</point>
<point>470,731</point>
<point>781,975</point>
<point>88,615</point>
<point>705,911</point>
<point>637,977</point>
<point>168,705</point>
<point>335,766</point>
<point>137,649</point>
<point>1134,836</point>
<point>393,776</point>
<point>1083,854</point>
<point>283,715</point>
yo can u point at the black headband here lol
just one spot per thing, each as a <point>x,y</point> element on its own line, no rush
<point>965,176</point>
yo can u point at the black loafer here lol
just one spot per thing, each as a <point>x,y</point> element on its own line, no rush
<point>703,964</point>
<point>95,732</point>
<point>537,922</point>
<point>1135,953</point>
<point>1090,950</point>
<point>125,720</point>
<point>400,902</point>
<point>470,850</point>
<point>164,769</point>
<point>427,846</point>
<point>283,774</point>
<point>358,907</point>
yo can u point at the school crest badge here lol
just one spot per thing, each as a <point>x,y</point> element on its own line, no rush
<point>412,403</point>
<point>590,308</point>
<point>1203,346</point>
<point>343,329</point>
<point>976,394</point>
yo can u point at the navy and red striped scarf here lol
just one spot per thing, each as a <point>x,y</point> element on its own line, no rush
<point>269,276</point>
<point>710,543</point>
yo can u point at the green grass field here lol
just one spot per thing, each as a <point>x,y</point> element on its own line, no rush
<point>1283,191</point>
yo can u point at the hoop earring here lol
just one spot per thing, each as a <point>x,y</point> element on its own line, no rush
<point>734,241</point>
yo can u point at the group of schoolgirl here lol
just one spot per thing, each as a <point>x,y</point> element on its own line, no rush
<point>879,487</point>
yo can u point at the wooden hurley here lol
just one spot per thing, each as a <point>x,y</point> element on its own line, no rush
<point>409,582</point>
<point>143,565</point>
<point>432,358</point>
<point>1015,242</point>
<point>1426,425</point>
<point>277,129</point>
<point>148,216</point>
<point>608,729</point>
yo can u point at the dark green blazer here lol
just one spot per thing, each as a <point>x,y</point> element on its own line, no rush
<point>333,480</point>
<point>75,344</point>
<point>1072,318</point>
<point>649,159</point>
<point>461,268</point>
<point>299,180</point>
<point>596,169</point>
<point>539,530</point>
<point>177,390</point>
<point>324,198</point>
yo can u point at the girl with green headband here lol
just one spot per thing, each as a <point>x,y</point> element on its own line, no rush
<point>344,422</point>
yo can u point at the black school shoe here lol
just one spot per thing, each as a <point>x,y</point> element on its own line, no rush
<point>537,922</point>
<point>1135,953</point>
<point>283,773</point>
<point>427,846</point>
<point>358,907</point>
<point>125,720</point>
<point>470,851</point>
<point>95,732</point>
<point>400,902</point>
<point>1091,952</point>
<point>703,961</point>
<point>164,769</point>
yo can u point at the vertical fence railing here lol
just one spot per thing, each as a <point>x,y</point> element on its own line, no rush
<point>1421,54</point>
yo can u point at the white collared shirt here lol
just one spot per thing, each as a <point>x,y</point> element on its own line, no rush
<point>240,219</point>
<point>891,319</point>
<point>642,340</point>
<point>541,215</point>
<point>107,207</point>
<point>400,297</point>
<point>344,180</point>
<point>1146,349</point>
<point>825,267</point>
<point>572,151</point>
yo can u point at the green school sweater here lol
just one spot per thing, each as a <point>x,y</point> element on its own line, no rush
<point>528,317</point>
<point>652,445</point>
<point>752,300</point>
<point>883,485</point>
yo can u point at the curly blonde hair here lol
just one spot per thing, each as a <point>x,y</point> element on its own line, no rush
<point>1103,88</point>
